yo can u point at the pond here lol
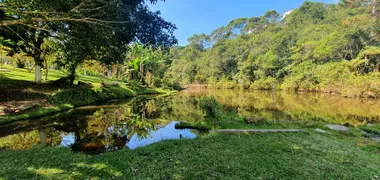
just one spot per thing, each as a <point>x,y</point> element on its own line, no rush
<point>143,120</point>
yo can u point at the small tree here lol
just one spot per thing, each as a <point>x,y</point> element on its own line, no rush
<point>210,106</point>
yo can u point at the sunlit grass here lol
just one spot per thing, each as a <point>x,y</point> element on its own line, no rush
<point>212,156</point>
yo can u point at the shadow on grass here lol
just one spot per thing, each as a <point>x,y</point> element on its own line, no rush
<point>22,90</point>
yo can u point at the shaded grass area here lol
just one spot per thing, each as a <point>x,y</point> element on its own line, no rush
<point>213,156</point>
<point>19,90</point>
<point>35,113</point>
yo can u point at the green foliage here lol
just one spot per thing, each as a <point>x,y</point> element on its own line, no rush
<point>374,128</point>
<point>316,47</point>
<point>144,90</point>
<point>192,125</point>
<point>210,106</point>
<point>75,97</point>
<point>114,92</point>
<point>265,84</point>
<point>100,35</point>
<point>84,96</point>
<point>215,115</point>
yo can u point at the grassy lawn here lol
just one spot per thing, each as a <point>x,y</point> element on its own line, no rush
<point>23,74</point>
<point>212,156</point>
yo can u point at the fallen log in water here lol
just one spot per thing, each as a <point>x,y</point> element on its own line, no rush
<point>253,131</point>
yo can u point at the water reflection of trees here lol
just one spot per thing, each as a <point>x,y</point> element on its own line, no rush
<point>111,129</point>
<point>35,138</point>
<point>300,106</point>
<point>176,108</point>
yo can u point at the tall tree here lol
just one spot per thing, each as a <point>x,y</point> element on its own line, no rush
<point>95,29</point>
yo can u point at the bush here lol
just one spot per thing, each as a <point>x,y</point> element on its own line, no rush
<point>225,84</point>
<point>114,92</point>
<point>83,96</point>
<point>264,84</point>
<point>210,106</point>
<point>144,90</point>
<point>74,96</point>
<point>171,84</point>
<point>375,128</point>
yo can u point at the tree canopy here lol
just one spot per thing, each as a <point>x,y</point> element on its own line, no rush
<point>86,29</point>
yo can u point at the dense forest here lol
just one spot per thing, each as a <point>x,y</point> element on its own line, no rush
<point>316,47</point>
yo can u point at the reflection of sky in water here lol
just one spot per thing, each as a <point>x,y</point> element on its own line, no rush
<point>167,132</point>
<point>67,139</point>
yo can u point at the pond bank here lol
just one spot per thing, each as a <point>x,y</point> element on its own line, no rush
<point>77,97</point>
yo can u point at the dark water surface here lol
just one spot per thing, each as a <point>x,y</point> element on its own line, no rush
<point>144,120</point>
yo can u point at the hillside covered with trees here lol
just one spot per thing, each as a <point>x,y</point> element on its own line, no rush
<point>316,47</point>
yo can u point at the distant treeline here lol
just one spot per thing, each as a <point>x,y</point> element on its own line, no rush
<point>316,47</point>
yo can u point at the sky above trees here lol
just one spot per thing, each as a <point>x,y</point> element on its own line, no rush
<point>204,16</point>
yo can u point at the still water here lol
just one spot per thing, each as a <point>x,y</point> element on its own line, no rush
<point>144,120</point>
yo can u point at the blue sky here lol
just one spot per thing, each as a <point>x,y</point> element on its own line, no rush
<point>204,16</point>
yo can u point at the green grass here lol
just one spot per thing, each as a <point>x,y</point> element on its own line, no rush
<point>36,113</point>
<point>375,128</point>
<point>213,156</point>
<point>23,74</point>
<point>84,96</point>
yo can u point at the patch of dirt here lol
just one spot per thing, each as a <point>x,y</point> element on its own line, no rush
<point>18,107</point>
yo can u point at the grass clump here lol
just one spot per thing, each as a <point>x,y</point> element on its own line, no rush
<point>375,128</point>
<point>114,92</point>
<point>192,125</point>
<point>75,96</point>
<point>85,96</point>
<point>37,113</point>
<point>140,90</point>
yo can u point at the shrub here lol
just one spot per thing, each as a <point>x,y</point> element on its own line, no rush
<point>375,129</point>
<point>74,96</point>
<point>84,96</point>
<point>210,106</point>
<point>144,90</point>
<point>264,84</point>
<point>114,92</point>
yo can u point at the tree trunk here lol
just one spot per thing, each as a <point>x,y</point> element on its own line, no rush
<point>109,72</point>
<point>72,74</point>
<point>38,75</point>
<point>374,8</point>
<point>38,60</point>
<point>141,72</point>
<point>47,71</point>
<point>42,137</point>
